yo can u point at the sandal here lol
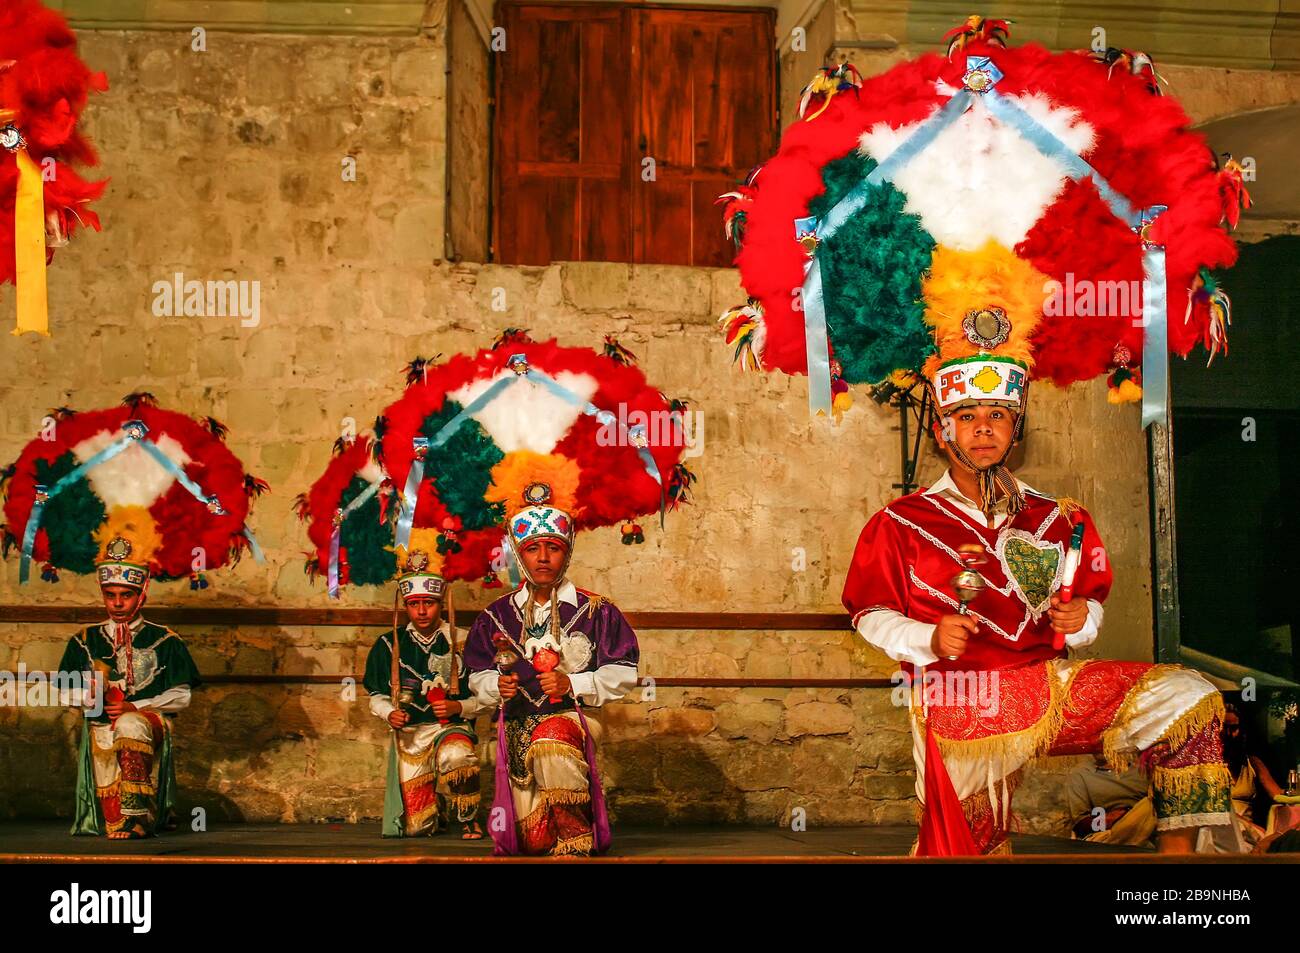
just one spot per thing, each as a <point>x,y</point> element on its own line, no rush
<point>135,832</point>
<point>472,831</point>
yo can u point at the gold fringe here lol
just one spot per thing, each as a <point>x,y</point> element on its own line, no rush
<point>550,796</point>
<point>457,775</point>
<point>1068,506</point>
<point>579,846</point>
<point>1180,782</point>
<point>1187,724</point>
<point>108,790</point>
<point>547,748</point>
<point>461,801</point>
<point>1194,720</point>
<point>130,744</point>
<point>1118,760</point>
<point>1027,743</point>
<point>533,817</point>
<point>415,760</point>
<point>420,780</point>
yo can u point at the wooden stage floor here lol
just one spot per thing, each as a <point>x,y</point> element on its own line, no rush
<point>49,841</point>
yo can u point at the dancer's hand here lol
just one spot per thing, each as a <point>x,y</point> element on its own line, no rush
<point>951,633</point>
<point>508,687</point>
<point>554,682</point>
<point>117,709</point>
<point>1068,617</point>
<point>398,718</point>
<point>446,707</point>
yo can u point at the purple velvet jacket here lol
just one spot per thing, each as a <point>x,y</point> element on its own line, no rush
<point>593,634</point>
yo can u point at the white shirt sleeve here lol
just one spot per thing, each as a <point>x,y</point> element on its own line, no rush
<point>607,683</point>
<point>381,706</point>
<point>484,686</point>
<point>174,699</point>
<point>901,638</point>
<point>1091,628</point>
<point>472,706</point>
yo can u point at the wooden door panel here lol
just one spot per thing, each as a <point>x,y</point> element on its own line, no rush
<point>585,91</point>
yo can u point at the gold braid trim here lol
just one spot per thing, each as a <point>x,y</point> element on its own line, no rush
<point>1187,724</point>
<point>550,796</point>
<point>130,744</point>
<point>1027,743</point>
<point>579,846</point>
<point>135,787</point>
<point>457,775</point>
<point>1003,849</point>
<point>1181,782</point>
<point>548,748</point>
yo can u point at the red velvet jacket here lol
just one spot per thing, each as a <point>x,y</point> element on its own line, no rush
<point>906,558</point>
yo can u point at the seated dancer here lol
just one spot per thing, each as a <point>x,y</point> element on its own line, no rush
<point>1013,641</point>
<point>126,781</point>
<point>541,653</point>
<point>520,437</point>
<point>423,694</point>
<point>137,495</point>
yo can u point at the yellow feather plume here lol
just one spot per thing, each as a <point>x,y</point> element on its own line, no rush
<point>519,470</point>
<point>423,540</point>
<point>136,526</point>
<point>991,278</point>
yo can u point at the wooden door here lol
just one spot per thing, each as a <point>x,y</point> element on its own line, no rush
<point>586,93</point>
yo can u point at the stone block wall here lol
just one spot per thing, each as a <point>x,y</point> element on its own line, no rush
<point>226,165</point>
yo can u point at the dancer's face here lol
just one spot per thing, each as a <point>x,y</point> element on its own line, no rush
<point>544,560</point>
<point>122,602</point>
<point>425,612</point>
<point>984,432</point>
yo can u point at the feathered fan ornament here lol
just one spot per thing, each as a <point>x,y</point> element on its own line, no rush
<point>472,436</point>
<point>992,198</point>
<point>153,474</point>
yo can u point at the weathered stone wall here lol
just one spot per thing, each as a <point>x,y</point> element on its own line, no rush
<point>227,164</point>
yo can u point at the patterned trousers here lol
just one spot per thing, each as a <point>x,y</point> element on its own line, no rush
<point>549,782</point>
<point>1166,718</point>
<point>126,769</point>
<point>433,755</point>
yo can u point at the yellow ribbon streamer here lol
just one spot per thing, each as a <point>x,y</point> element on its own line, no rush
<point>29,248</point>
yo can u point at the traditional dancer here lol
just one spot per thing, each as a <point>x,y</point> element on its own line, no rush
<point>952,229</point>
<point>148,674</point>
<point>424,696</point>
<point>542,653</point>
<point>133,493</point>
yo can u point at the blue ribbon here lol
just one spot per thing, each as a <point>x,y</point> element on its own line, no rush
<point>816,340</point>
<point>410,492</point>
<point>136,432</point>
<point>1155,383</point>
<point>332,577</point>
<point>1155,329</point>
<point>512,567</point>
<point>38,507</point>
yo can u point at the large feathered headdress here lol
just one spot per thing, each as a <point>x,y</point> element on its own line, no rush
<point>129,492</point>
<point>983,218</point>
